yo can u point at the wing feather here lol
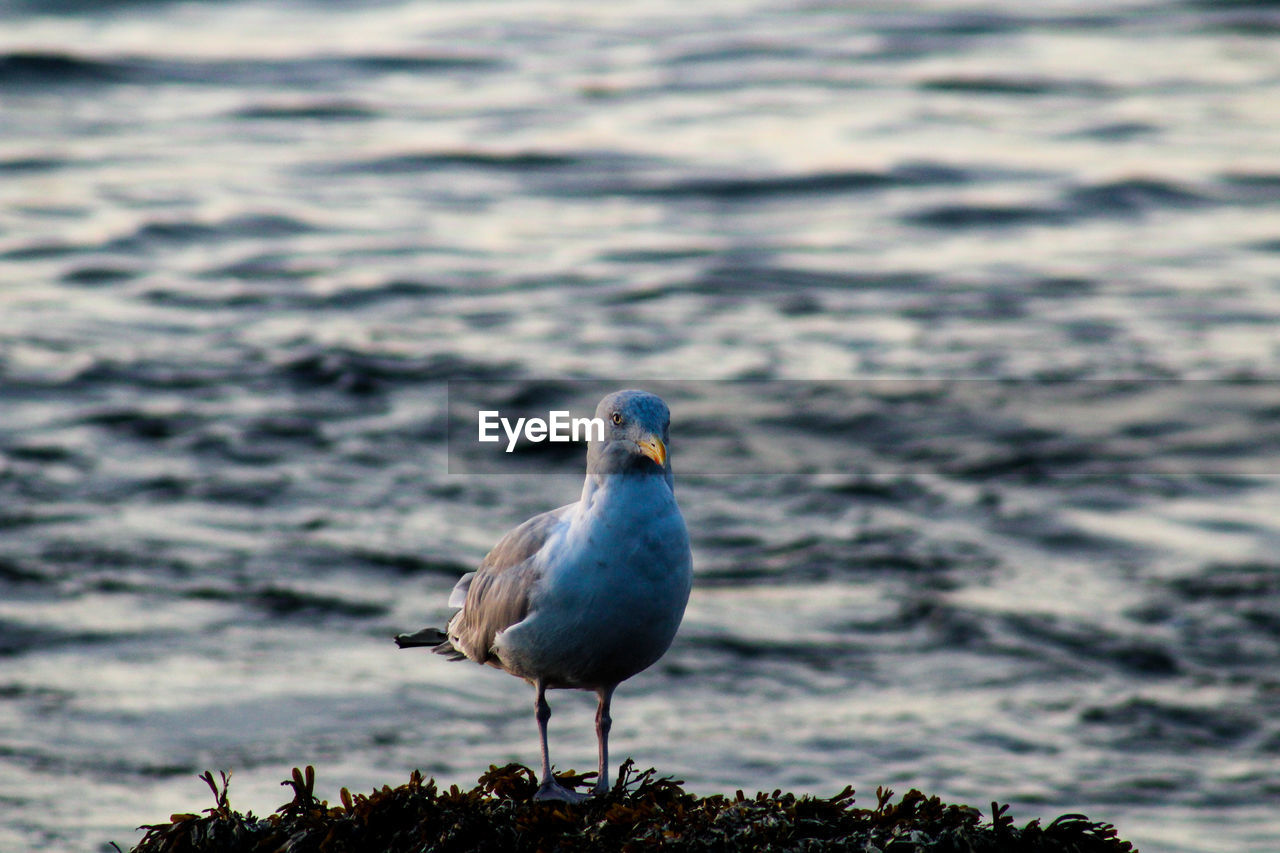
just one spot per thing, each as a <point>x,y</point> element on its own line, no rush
<point>497,595</point>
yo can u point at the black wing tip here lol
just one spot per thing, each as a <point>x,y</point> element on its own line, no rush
<point>425,637</point>
<point>432,638</point>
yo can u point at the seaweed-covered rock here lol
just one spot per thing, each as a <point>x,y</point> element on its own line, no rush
<point>641,812</point>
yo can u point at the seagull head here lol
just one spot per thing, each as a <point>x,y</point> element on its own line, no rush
<point>636,429</point>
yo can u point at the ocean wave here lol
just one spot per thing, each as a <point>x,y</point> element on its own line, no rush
<point>50,69</point>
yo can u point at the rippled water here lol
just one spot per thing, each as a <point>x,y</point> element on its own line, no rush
<point>244,247</point>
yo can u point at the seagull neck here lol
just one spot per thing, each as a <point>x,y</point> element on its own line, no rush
<point>602,488</point>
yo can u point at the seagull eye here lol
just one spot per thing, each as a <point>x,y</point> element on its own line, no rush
<point>617,419</point>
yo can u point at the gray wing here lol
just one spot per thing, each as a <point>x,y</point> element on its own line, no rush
<point>497,594</point>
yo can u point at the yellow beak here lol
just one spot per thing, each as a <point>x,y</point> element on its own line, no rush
<point>653,447</point>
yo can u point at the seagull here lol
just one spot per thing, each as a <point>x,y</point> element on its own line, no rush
<point>587,595</point>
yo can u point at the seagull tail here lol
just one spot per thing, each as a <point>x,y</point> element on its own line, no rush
<point>434,638</point>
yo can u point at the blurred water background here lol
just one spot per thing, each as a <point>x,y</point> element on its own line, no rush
<point>244,245</point>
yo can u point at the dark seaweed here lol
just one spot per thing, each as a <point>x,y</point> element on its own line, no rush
<point>643,811</point>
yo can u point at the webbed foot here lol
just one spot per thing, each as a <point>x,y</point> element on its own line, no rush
<point>553,790</point>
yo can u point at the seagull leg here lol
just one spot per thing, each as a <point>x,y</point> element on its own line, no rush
<point>549,788</point>
<point>603,723</point>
